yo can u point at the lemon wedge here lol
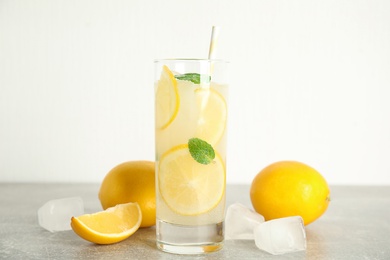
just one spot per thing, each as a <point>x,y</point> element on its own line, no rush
<point>167,99</point>
<point>188,187</point>
<point>213,113</point>
<point>110,226</point>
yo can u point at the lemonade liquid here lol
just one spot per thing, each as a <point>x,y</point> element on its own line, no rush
<point>190,194</point>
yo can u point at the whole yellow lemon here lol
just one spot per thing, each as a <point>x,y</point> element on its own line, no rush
<point>132,181</point>
<point>290,188</point>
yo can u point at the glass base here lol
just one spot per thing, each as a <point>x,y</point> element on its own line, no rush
<point>189,240</point>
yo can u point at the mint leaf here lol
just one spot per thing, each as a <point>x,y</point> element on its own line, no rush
<point>195,78</point>
<point>201,150</point>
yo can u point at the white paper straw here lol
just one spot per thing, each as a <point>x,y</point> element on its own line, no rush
<point>213,42</point>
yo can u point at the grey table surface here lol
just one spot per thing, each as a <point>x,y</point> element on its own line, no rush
<point>355,226</point>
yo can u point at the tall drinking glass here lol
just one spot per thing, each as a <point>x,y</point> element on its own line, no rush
<point>190,122</point>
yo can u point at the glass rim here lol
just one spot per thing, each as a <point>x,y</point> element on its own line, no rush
<point>190,60</point>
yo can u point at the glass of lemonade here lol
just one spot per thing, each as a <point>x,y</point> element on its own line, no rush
<point>190,129</point>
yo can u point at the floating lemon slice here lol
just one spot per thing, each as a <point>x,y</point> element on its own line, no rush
<point>188,187</point>
<point>213,113</point>
<point>167,99</point>
<point>110,226</point>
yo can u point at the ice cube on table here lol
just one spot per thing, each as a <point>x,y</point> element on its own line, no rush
<point>55,215</point>
<point>240,222</point>
<point>280,236</point>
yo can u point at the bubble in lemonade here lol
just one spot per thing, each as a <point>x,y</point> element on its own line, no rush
<point>191,115</point>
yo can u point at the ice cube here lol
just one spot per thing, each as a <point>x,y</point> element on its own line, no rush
<point>240,222</point>
<point>280,236</point>
<point>55,215</point>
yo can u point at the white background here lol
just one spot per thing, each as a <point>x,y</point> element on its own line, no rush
<point>310,81</point>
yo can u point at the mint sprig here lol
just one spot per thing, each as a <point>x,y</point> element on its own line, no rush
<point>195,78</point>
<point>201,151</point>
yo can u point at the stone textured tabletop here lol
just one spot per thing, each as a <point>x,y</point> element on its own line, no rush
<point>355,226</point>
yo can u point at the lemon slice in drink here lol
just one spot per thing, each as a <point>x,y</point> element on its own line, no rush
<point>188,187</point>
<point>213,112</point>
<point>110,226</point>
<point>167,99</point>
